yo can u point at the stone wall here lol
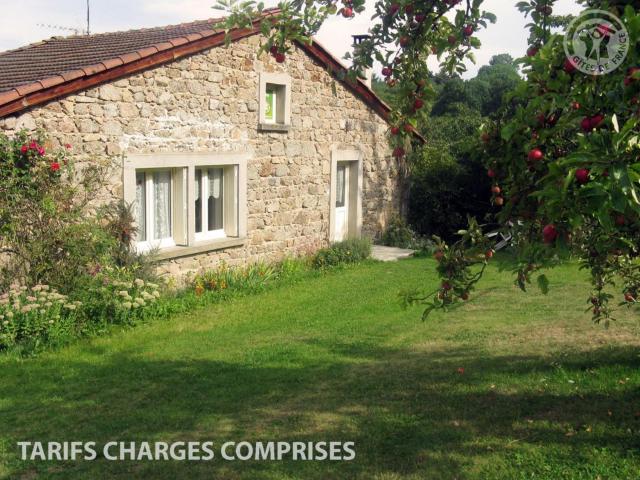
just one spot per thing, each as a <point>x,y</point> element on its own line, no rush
<point>208,102</point>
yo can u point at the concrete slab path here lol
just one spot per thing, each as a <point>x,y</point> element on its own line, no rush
<point>389,254</point>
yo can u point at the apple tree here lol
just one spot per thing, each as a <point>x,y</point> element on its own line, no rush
<point>562,152</point>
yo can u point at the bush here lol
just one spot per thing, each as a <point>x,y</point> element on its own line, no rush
<point>444,193</point>
<point>399,234</point>
<point>341,253</point>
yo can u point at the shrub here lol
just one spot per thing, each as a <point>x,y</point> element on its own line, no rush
<point>45,232</point>
<point>399,234</point>
<point>341,253</point>
<point>444,192</point>
<point>38,315</point>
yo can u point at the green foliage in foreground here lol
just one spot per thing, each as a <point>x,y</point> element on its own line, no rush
<point>345,252</point>
<point>497,389</point>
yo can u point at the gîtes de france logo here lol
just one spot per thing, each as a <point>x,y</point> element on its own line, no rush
<point>596,42</point>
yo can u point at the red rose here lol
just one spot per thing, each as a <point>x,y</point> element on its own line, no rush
<point>55,166</point>
<point>24,149</point>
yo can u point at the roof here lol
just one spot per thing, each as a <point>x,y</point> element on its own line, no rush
<point>44,71</point>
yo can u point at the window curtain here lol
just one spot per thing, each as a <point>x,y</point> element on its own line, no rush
<point>215,199</point>
<point>162,205</point>
<point>139,209</point>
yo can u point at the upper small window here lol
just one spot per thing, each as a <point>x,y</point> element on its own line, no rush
<point>275,101</point>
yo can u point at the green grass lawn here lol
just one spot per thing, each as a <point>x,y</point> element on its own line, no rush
<point>545,394</point>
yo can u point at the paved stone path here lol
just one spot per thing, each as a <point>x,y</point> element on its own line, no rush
<point>389,254</point>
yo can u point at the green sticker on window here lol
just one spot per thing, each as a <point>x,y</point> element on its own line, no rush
<point>270,103</point>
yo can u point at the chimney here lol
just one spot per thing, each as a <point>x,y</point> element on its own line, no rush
<point>368,73</point>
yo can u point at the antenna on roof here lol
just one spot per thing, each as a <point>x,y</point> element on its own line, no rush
<point>74,30</point>
<point>88,18</point>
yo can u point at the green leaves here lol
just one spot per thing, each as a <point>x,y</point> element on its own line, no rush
<point>543,283</point>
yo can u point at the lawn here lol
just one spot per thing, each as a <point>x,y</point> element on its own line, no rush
<point>544,393</point>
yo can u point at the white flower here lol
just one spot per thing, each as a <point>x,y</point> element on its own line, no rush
<point>50,322</point>
<point>6,322</point>
<point>156,294</point>
<point>70,306</point>
<point>126,305</point>
<point>123,293</point>
<point>9,314</point>
<point>139,282</point>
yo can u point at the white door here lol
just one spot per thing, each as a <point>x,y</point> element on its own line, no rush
<point>342,202</point>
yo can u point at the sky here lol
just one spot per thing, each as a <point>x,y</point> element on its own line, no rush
<point>26,22</point>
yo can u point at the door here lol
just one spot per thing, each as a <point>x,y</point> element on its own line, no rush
<point>342,202</point>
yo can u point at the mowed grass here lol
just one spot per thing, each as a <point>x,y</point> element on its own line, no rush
<point>545,394</point>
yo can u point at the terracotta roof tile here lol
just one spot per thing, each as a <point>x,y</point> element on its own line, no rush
<point>60,55</point>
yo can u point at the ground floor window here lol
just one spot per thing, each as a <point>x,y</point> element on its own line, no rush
<point>186,201</point>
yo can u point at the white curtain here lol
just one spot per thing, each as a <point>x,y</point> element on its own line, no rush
<point>162,204</point>
<point>139,209</point>
<point>215,198</point>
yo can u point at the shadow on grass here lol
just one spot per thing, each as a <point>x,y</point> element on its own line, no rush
<point>410,413</point>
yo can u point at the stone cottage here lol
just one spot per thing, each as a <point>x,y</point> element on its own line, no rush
<point>225,154</point>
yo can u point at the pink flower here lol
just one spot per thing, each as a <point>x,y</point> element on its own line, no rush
<point>41,151</point>
<point>24,149</point>
<point>34,145</point>
<point>67,146</point>
<point>55,166</point>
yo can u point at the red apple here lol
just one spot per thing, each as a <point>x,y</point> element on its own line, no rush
<point>491,173</point>
<point>569,66</point>
<point>536,155</point>
<point>575,105</point>
<point>620,220</point>
<point>408,9</point>
<point>404,41</point>
<point>468,30</point>
<point>489,254</point>
<point>273,50</point>
<point>496,190</point>
<point>582,175</point>
<point>395,130</point>
<point>420,17</point>
<point>532,51</point>
<point>596,120</point>
<point>452,39</point>
<point>408,128</point>
<point>549,233</point>
<point>499,201</point>
<point>394,8</point>
<point>585,124</point>
<point>280,57</point>
<point>387,72</point>
<point>347,12</point>
<point>418,104</point>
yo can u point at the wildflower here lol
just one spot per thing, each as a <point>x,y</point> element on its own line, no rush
<point>70,306</point>
<point>41,151</point>
<point>50,322</point>
<point>55,166</point>
<point>123,293</point>
<point>461,370</point>
<point>6,322</point>
<point>156,294</point>
<point>139,282</point>
<point>24,149</point>
<point>127,305</point>
<point>9,314</point>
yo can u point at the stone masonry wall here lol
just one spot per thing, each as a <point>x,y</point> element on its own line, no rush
<point>208,102</point>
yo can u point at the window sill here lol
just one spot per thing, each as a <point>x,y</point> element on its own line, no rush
<point>273,127</point>
<point>199,247</point>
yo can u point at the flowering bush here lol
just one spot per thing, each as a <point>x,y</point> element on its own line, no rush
<point>46,235</point>
<point>115,296</point>
<point>39,313</point>
<point>222,278</point>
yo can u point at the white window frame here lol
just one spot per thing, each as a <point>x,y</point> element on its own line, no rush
<point>151,243</point>
<point>281,85</point>
<point>183,166</point>
<point>204,213</point>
